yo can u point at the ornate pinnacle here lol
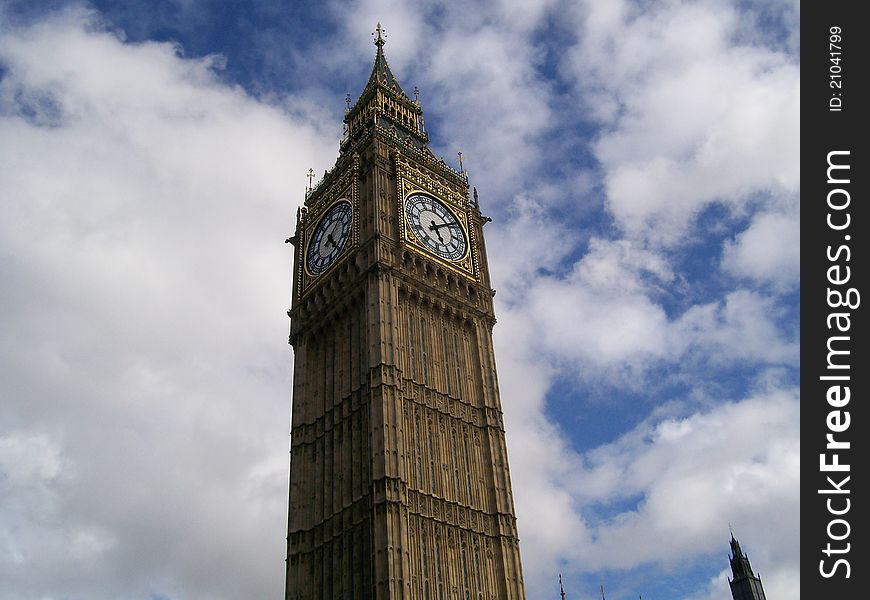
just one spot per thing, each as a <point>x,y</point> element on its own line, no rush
<point>380,32</point>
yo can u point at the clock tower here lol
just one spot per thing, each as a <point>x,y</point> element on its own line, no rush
<point>399,482</point>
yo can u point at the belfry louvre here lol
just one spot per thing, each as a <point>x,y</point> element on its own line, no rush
<point>399,481</point>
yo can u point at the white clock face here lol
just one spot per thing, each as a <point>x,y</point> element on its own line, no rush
<point>330,236</point>
<point>436,226</point>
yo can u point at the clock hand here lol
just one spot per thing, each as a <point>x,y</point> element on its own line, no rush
<point>434,227</point>
<point>329,240</point>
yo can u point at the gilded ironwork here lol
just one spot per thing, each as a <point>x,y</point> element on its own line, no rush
<point>344,188</point>
<point>412,180</point>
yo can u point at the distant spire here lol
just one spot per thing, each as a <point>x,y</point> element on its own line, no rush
<point>745,584</point>
<point>561,589</point>
<point>735,547</point>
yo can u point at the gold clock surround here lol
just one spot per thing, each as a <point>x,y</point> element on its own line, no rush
<point>309,235</point>
<point>344,189</point>
<point>410,181</point>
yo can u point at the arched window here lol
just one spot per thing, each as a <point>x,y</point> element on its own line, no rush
<point>468,473</point>
<point>438,576</point>
<point>424,350</point>
<point>417,427</point>
<point>465,573</point>
<point>446,350</point>
<point>424,559</point>
<point>412,344</point>
<point>433,482</point>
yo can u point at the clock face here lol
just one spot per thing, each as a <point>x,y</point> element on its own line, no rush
<point>436,226</point>
<point>330,236</point>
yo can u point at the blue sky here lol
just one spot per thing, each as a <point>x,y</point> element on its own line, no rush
<point>640,163</point>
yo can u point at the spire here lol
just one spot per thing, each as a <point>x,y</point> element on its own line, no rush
<point>381,74</point>
<point>735,547</point>
<point>745,584</point>
<point>561,589</point>
<point>384,105</point>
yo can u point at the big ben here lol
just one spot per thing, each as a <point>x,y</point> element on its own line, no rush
<point>399,480</point>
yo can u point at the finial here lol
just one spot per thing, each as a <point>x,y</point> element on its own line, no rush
<point>347,102</point>
<point>381,34</point>
<point>416,95</point>
<point>561,589</point>
<point>310,177</point>
<point>476,204</point>
<point>461,170</point>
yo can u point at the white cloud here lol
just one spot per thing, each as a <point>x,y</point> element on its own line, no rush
<point>693,119</point>
<point>482,85</point>
<point>740,328</point>
<point>692,470</point>
<point>600,328</point>
<point>768,251</point>
<point>144,208</point>
<point>684,478</point>
<point>619,266</point>
<point>29,458</point>
<point>521,243</point>
<point>603,318</point>
<point>141,245</point>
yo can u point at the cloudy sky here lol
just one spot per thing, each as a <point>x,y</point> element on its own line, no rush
<point>640,162</point>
